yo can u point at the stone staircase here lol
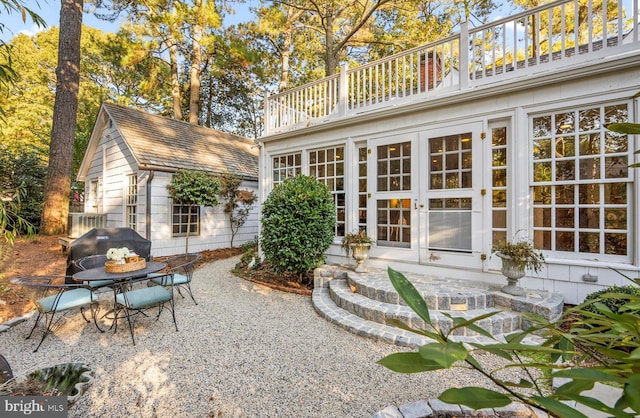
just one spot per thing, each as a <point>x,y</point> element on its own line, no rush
<point>363,303</point>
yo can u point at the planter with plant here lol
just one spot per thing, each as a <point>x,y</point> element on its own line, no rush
<point>358,244</point>
<point>517,256</point>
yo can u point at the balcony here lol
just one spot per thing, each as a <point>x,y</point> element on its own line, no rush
<point>544,40</point>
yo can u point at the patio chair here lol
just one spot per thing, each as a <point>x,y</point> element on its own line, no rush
<point>181,269</point>
<point>135,301</point>
<point>52,295</point>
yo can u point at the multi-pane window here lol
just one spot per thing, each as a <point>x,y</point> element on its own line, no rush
<point>450,162</point>
<point>185,218</point>
<point>499,185</point>
<point>362,188</point>
<point>131,201</point>
<point>93,194</point>
<point>327,166</point>
<point>394,167</point>
<point>581,181</point>
<point>394,223</point>
<point>285,166</point>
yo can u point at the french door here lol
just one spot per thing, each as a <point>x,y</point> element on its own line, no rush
<point>451,196</point>
<point>393,196</point>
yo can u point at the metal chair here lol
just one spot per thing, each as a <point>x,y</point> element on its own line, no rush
<point>134,301</point>
<point>93,261</point>
<point>181,269</point>
<point>52,295</point>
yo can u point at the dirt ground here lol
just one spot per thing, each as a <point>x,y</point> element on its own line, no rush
<point>44,256</point>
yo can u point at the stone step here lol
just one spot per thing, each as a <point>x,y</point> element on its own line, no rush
<point>325,306</point>
<point>342,294</point>
<point>439,293</point>
<point>327,309</point>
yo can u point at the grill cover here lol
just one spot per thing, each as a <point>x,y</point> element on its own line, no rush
<point>99,240</point>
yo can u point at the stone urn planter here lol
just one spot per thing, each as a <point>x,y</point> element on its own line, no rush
<point>513,272</point>
<point>360,254</point>
<point>516,258</point>
<point>357,243</point>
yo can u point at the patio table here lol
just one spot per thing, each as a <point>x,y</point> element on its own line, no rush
<point>120,279</point>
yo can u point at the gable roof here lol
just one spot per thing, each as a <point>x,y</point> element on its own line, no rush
<point>161,143</point>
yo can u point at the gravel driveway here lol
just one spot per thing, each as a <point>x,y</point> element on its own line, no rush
<point>245,350</point>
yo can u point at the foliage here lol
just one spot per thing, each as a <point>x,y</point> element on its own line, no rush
<point>238,202</point>
<point>23,171</point>
<point>523,254</point>
<point>627,128</point>
<point>612,339</point>
<point>11,223</point>
<point>613,297</point>
<point>193,188</point>
<point>298,221</point>
<point>356,237</point>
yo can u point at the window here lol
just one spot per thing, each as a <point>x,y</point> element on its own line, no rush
<point>394,223</point>
<point>362,188</point>
<point>131,201</point>
<point>93,194</point>
<point>286,166</point>
<point>394,167</point>
<point>327,166</point>
<point>581,182</point>
<point>450,160</point>
<point>499,185</point>
<point>184,220</point>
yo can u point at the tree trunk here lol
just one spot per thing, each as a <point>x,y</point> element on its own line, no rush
<point>55,208</point>
<point>175,81</point>
<point>194,76</point>
<point>330,55</point>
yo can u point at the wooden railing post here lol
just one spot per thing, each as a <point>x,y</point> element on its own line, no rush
<point>343,91</point>
<point>267,116</point>
<point>464,55</point>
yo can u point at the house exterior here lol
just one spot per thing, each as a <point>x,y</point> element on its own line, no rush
<point>129,161</point>
<point>445,150</point>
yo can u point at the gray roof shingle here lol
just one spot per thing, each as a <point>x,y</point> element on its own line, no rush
<point>161,142</point>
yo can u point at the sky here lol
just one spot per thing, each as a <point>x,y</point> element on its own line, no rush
<point>49,10</point>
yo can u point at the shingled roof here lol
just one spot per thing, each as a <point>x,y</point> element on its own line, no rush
<point>163,143</point>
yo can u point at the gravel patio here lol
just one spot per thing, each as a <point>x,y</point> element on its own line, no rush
<point>245,350</point>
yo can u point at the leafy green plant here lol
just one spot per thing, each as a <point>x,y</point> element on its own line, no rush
<point>356,237</point>
<point>629,129</point>
<point>298,221</point>
<point>192,188</point>
<point>238,202</point>
<point>612,339</point>
<point>613,297</point>
<point>523,254</point>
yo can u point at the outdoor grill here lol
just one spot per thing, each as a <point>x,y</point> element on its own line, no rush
<point>99,240</point>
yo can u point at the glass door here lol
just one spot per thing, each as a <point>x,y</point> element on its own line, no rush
<point>393,196</point>
<point>451,196</point>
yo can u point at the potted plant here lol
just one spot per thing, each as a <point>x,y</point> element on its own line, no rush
<point>358,244</point>
<point>517,256</point>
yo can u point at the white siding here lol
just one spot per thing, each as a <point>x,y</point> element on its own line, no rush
<point>514,103</point>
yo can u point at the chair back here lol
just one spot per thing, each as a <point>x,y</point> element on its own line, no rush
<point>183,264</point>
<point>91,261</point>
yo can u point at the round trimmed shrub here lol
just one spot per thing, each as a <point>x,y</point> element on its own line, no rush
<point>298,221</point>
<point>612,303</point>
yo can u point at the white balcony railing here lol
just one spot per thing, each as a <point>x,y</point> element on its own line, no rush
<point>546,38</point>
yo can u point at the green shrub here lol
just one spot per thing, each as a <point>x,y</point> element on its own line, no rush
<point>298,221</point>
<point>608,297</point>
<point>250,245</point>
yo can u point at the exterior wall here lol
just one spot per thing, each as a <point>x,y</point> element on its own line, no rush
<point>214,225</point>
<point>110,166</point>
<point>512,103</point>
